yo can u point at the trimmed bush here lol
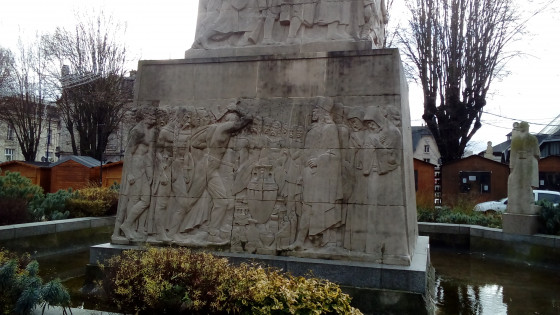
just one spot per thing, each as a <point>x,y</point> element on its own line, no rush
<point>93,202</point>
<point>550,217</point>
<point>178,281</point>
<point>21,289</point>
<point>459,216</point>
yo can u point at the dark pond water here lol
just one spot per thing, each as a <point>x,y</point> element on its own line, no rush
<point>465,284</point>
<point>471,284</point>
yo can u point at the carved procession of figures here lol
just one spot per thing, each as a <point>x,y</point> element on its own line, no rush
<point>238,23</point>
<point>264,182</point>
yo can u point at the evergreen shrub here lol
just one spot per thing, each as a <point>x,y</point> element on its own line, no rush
<point>550,217</point>
<point>21,289</point>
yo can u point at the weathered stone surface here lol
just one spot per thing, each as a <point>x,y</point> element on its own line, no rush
<point>524,164</point>
<point>302,155</point>
<point>269,23</point>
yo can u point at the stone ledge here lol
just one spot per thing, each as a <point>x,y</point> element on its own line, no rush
<point>14,231</point>
<point>488,233</point>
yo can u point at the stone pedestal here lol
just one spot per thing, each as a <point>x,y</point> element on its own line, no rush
<point>412,279</point>
<point>524,224</point>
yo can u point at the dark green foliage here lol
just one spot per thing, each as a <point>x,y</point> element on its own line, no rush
<point>21,288</point>
<point>18,199</point>
<point>550,217</point>
<point>459,216</point>
<point>13,211</point>
<point>53,206</point>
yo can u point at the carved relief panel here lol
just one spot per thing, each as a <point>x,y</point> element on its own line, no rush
<point>311,177</point>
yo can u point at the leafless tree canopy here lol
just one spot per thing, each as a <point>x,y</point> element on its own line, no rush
<point>23,103</point>
<point>93,94</point>
<point>458,47</point>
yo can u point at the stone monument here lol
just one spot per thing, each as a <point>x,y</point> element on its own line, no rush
<point>521,216</point>
<point>282,133</point>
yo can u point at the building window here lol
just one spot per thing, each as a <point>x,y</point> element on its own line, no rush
<point>427,148</point>
<point>427,160</point>
<point>10,154</point>
<point>11,132</point>
<point>475,182</point>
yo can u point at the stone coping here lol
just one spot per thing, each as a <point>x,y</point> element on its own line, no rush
<point>551,241</point>
<point>16,231</point>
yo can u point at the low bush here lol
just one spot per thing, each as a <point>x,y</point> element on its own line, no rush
<point>54,206</point>
<point>18,199</point>
<point>21,289</point>
<point>93,202</point>
<point>459,216</point>
<point>178,281</point>
<point>550,217</point>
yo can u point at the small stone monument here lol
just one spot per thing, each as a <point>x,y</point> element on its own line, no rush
<point>521,215</point>
<point>282,134</point>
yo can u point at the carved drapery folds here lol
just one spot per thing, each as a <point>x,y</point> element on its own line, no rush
<point>314,178</point>
<point>240,23</point>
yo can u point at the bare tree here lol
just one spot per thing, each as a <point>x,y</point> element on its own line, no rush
<point>23,105</point>
<point>457,48</point>
<point>6,62</point>
<point>93,90</point>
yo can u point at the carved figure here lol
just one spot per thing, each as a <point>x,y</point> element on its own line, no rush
<point>373,20</point>
<point>235,17</point>
<point>336,16</point>
<point>525,154</point>
<point>140,173</point>
<point>297,13</point>
<point>271,12</point>
<point>215,140</point>
<point>322,183</point>
<point>161,186</point>
<point>356,218</point>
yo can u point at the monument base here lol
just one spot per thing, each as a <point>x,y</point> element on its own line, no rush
<point>413,278</point>
<point>524,224</point>
<point>295,49</point>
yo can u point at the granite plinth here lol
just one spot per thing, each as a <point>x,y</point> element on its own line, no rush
<point>525,224</point>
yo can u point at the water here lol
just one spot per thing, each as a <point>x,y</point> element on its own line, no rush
<point>465,284</point>
<point>471,284</point>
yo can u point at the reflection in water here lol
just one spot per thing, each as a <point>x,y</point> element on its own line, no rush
<point>469,284</point>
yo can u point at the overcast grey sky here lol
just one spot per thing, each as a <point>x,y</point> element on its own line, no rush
<point>165,29</point>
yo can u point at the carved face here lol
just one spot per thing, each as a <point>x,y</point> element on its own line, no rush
<point>231,117</point>
<point>356,124</point>
<point>373,126</point>
<point>276,128</point>
<point>299,132</point>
